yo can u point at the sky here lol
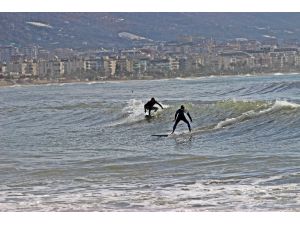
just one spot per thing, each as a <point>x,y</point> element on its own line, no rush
<point>150,6</point>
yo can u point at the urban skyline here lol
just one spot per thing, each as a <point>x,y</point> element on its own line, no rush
<point>188,56</point>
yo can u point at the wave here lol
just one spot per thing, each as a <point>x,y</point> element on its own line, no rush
<point>77,106</point>
<point>279,87</point>
<point>256,109</point>
<point>134,112</point>
<point>96,82</point>
<point>189,78</point>
<point>262,88</point>
<point>15,86</point>
<point>278,105</point>
<point>276,87</point>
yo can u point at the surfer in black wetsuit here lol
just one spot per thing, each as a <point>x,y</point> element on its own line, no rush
<point>149,106</point>
<point>179,115</point>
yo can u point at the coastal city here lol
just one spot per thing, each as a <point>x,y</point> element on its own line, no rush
<point>142,108</point>
<point>187,56</point>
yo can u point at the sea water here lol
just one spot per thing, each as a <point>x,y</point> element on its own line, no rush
<point>88,146</point>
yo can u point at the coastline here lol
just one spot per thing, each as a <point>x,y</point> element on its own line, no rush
<point>8,83</point>
<point>26,81</point>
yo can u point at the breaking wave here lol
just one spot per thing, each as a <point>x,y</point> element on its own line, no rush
<point>278,105</point>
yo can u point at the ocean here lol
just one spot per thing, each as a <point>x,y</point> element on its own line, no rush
<point>88,146</point>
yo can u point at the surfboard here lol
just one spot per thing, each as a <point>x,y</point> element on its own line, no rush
<point>183,134</point>
<point>160,135</point>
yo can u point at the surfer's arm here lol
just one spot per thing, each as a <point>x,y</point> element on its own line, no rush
<point>159,105</point>
<point>189,116</point>
<point>176,115</point>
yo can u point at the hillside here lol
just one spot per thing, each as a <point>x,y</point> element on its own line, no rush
<point>77,30</point>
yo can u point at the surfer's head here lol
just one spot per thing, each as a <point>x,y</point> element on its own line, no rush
<point>182,106</point>
<point>152,99</point>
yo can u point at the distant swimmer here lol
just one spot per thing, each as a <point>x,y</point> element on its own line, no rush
<point>150,106</point>
<point>179,115</point>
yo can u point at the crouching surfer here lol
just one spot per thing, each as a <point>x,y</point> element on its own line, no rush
<point>150,106</point>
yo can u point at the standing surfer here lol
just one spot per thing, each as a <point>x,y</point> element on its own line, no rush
<point>179,115</point>
<point>149,106</point>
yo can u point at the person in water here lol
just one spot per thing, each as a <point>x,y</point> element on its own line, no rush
<point>150,106</point>
<point>179,115</point>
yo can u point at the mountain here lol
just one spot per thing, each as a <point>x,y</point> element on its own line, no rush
<point>77,30</point>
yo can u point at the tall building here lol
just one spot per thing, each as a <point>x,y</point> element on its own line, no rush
<point>53,69</point>
<point>30,52</point>
<point>109,66</point>
<point>31,68</point>
<point>123,66</point>
<point>6,53</point>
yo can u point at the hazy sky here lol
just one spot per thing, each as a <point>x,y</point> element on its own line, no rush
<point>150,5</point>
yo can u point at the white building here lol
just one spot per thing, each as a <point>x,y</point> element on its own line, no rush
<point>50,69</point>
<point>16,68</point>
<point>109,66</point>
<point>6,52</point>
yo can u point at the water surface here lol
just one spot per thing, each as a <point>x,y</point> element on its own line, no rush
<point>88,147</point>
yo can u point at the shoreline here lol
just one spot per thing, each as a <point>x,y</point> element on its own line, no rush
<point>36,82</point>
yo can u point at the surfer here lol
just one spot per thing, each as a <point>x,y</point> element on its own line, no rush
<point>150,106</point>
<point>179,115</point>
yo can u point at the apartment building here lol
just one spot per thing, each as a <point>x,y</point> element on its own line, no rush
<point>124,65</point>
<point>235,60</point>
<point>53,69</point>
<point>109,66</point>
<point>6,53</point>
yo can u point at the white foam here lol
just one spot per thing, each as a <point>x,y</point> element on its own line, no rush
<point>285,104</point>
<point>212,195</point>
<point>15,86</point>
<point>226,122</point>
<point>96,82</point>
<point>133,112</point>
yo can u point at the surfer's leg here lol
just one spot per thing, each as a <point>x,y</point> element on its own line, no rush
<point>189,126</point>
<point>175,125</point>
<point>187,122</point>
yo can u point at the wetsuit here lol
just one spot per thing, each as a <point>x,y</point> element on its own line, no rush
<point>179,115</point>
<point>149,106</point>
